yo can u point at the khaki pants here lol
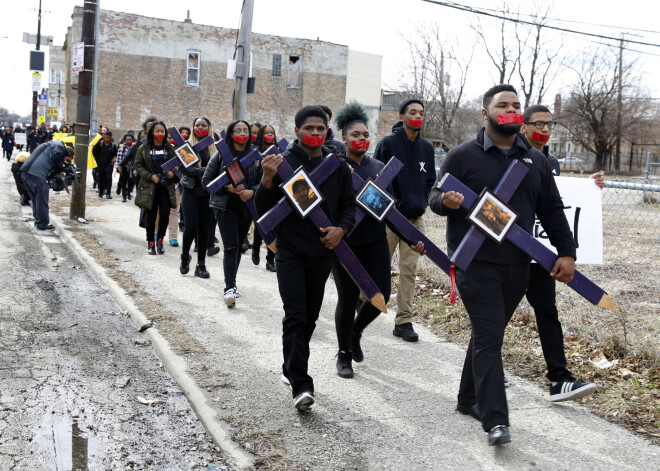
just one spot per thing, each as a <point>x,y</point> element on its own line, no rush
<point>174,216</point>
<point>407,268</point>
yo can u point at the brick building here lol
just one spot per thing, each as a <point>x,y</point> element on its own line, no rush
<point>177,70</point>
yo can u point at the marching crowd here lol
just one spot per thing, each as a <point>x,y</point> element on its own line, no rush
<point>491,288</point>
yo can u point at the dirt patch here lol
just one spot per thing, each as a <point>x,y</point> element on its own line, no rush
<point>209,378</point>
<point>265,444</point>
<point>629,388</point>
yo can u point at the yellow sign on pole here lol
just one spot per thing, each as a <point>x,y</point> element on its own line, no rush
<point>42,119</point>
<point>52,112</point>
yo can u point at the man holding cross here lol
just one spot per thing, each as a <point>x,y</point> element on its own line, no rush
<point>304,252</point>
<point>496,280</point>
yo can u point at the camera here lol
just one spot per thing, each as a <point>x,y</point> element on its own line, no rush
<point>60,179</point>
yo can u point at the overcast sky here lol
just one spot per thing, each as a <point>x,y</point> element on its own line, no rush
<point>374,26</point>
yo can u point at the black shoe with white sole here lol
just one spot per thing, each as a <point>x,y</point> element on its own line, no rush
<point>499,435</point>
<point>570,390</point>
<point>303,401</point>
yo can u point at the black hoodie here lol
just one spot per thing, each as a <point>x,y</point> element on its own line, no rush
<point>301,236</point>
<point>412,185</point>
<point>480,164</point>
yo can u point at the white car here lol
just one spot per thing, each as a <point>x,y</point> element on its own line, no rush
<point>570,160</point>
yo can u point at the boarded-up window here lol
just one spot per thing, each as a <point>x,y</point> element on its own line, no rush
<point>277,65</point>
<point>293,79</point>
<point>193,68</point>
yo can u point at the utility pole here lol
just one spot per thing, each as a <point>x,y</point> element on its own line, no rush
<point>242,60</point>
<point>85,78</point>
<point>35,94</point>
<point>619,107</point>
<point>95,119</point>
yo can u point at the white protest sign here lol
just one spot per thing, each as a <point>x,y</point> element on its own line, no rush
<point>582,203</point>
<point>20,138</point>
<point>78,59</point>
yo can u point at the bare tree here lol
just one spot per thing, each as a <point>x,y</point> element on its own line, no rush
<point>590,113</point>
<point>432,62</point>
<point>524,51</point>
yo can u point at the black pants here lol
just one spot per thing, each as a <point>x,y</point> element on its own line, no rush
<point>256,245</point>
<point>234,223</point>
<point>7,153</point>
<point>490,293</point>
<point>301,281</point>
<point>38,189</point>
<point>541,296</point>
<point>105,180</point>
<point>125,183</point>
<point>160,207</point>
<point>210,237</point>
<point>375,259</point>
<point>197,214</point>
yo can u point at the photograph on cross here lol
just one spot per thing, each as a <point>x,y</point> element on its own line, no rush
<point>493,216</point>
<point>186,154</point>
<point>302,193</point>
<point>374,200</point>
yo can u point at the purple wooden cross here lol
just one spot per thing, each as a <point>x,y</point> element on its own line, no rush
<point>179,140</point>
<point>470,244</point>
<point>397,219</point>
<point>223,180</point>
<point>344,254</point>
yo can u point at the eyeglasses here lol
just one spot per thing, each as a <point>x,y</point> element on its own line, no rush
<point>542,124</point>
<point>240,131</point>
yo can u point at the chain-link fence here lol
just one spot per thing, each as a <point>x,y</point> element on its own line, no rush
<point>630,272</point>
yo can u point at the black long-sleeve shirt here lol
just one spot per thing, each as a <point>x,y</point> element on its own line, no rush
<point>480,164</point>
<point>338,204</point>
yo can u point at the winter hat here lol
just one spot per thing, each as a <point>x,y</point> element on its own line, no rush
<point>409,101</point>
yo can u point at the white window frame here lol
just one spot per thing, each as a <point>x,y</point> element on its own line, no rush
<point>52,101</point>
<point>189,67</point>
<point>53,76</point>
<point>61,75</point>
<point>277,72</point>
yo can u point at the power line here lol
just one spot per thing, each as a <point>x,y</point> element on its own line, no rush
<point>468,9</point>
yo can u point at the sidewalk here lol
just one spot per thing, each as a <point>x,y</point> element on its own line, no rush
<point>398,411</point>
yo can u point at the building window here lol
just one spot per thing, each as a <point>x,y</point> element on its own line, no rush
<point>554,148</point>
<point>61,75</point>
<point>192,72</point>
<point>277,65</point>
<point>52,101</point>
<point>53,76</point>
<point>293,79</point>
<point>568,147</point>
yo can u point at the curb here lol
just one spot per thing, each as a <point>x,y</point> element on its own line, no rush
<point>173,363</point>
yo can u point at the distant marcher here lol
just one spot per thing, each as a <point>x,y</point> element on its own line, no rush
<point>46,157</point>
<point>105,154</point>
<point>124,168</point>
<point>155,192</point>
<point>336,147</point>
<point>266,137</point>
<point>8,143</point>
<point>18,178</point>
<point>32,139</point>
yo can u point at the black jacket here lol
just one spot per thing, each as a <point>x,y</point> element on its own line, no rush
<point>192,176</point>
<point>104,153</point>
<point>45,158</point>
<point>412,185</point>
<point>552,160</point>
<point>336,147</point>
<point>220,199</point>
<point>480,164</point>
<point>338,204</point>
<point>18,178</point>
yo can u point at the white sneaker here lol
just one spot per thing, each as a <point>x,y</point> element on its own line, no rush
<point>285,380</point>
<point>230,297</point>
<point>236,293</point>
<point>303,401</point>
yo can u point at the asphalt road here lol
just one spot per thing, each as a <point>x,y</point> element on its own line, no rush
<point>398,411</point>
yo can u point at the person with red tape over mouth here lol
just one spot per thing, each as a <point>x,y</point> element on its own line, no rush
<point>227,204</point>
<point>537,127</point>
<point>266,137</point>
<point>411,188</point>
<point>304,251</point>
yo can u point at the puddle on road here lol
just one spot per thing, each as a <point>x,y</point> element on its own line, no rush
<point>64,446</point>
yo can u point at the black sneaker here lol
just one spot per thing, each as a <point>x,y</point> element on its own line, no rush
<point>108,196</point>
<point>118,190</point>
<point>255,257</point>
<point>200,271</point>
<point>152,248</point>
<point>184,268</point>
<point>570,390</point>
<point>271,267</point>
<point>499,435</point>
<point>215,250</point>
<point>159,246</point>
<point>344,366</point>
<point>245,247</point>
<point>356,349</point>
<point>303,401</point>
<point>406,332</point>
<point>472,411</point>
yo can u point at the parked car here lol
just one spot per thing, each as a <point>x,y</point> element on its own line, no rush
<point>570,160</point>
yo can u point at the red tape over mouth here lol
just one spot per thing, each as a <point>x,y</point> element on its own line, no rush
<point>241,139</point>
<point>314,140</point>
<point>201,132</point>
<point>416,123</point>
<point>537,136</point>
<point>269,139</point>
<point>510,118</point>
<point>360,144</point>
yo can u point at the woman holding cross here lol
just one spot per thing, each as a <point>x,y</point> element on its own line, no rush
<point>195,202</point>
<point>227,204</point>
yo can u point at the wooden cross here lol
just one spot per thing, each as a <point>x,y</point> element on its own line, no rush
<point>397,219</point>
<point>346,257</point>
<point>179,140</point>
<point>472,241</point>
<point>223,180</point>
